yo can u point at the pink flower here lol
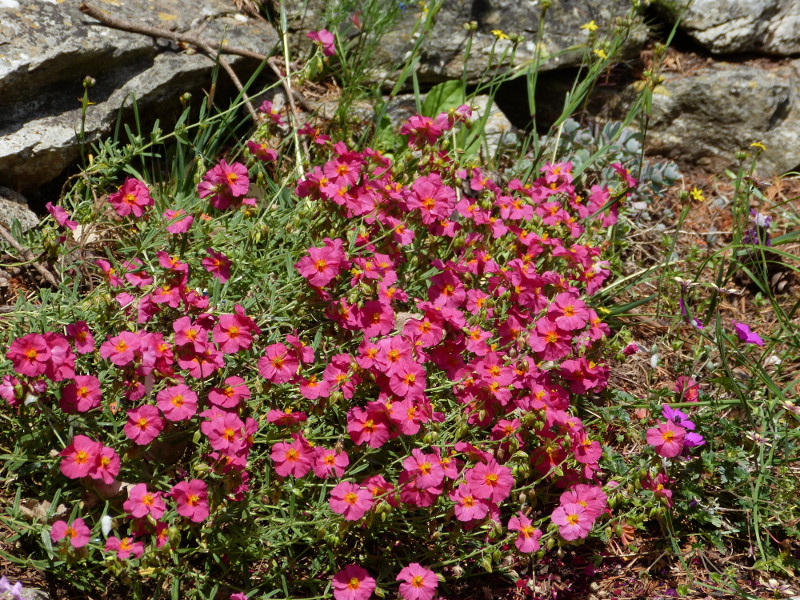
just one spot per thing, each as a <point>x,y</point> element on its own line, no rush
<point>490,480</point>
<point>668,439</point>
<point>124,547</point>
<point>408,380</point>
<point>321,265</point>
<point>217,264</point>
<point>225,432</point>
<point>424,468</point>
<point>141,503</point>
<point>178,222</point>
<point>745,335</point>
<point>468,507</point>
<point>568,312</point>
<point>77,532</point>
<point>292,458</point>
<point>121,349</point>
<point>177,402</point>
<point>192,499</point>
<point>549,341</point>
<point>352,583</point>
<point>325,39</point>
<point>144,424</point>
<point>329,462</point>
<point>272,113</point>
<point>418,583</point>
<point>61,216</point>
<point>79,457</point>
<point>528,538</point>
<point>106,465</point>
<point>350,500</point>
<point>261,151</point>
<point>234,332</point>
<point>29,354</point>
<point>278,365</point>
<point>223,182</point>
<point>370,427</point>
<point>421,130</point>
<point>573,521</point>
<point>81,337</point>
<point>132,197</point>
<point>81,395</point>
<point>231,394</point>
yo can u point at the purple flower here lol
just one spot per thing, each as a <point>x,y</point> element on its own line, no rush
<point>747,336</point>
<point>677,416</point>
<point>692,439</point>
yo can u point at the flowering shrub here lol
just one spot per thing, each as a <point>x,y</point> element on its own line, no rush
<point>423,384</point>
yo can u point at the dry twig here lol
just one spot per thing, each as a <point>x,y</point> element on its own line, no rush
<point>27,255</point>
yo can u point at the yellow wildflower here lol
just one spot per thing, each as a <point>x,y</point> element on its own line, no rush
<point>498,33</point>
<point>697,195</point>
<point>591,26</point>
<point>759,146</point>
<point>600,53</point>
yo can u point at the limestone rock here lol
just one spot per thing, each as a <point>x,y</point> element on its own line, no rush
<point>731,26</point>
<point>563,43</point>
<point>14,206</point>
<point>47,47</point>
<point>707,116</point>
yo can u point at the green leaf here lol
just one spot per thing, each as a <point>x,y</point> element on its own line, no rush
<point>443,97</point>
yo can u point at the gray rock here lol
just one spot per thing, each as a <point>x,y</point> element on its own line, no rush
<point>48,47</point>
<point>563,43</point>
<point>708,116</point>
<point>15,206</point>
<point>728,26</point>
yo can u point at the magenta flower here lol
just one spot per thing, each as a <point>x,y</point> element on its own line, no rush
<point>80,335</point>
<point>77,532</point>
<point>418,583</point>
<point>424,468</point>
<point>490,480</point>
<point>278,365</point>
<point>29,354</point>
<point>141,503</point>
<point>191,498</point>
<point>745,335</point>
<point>468,507</point>
<point>121,349</point>
<point>325,39</point>
<point>231,394</point>
<point>132,197</point>
<point>350,500</point>
<point>177,402</point>
<point>668,438</point>
<point>79,457</point>
<point>528,538</point>
<point>143,424</point>
<point>352,583</point>
<point>573,521</point>
<point>178,223</point>
<point>61,216</point>
<point>81,395</point>
<point>106,465</point>
<point>125,547</point>
<point>217,264</point>
<point>292,458</point>
<point>329,462</point>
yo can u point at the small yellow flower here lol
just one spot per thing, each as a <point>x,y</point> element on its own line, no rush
<point>600,53</point>
<point>697,195</point>
<point>759,146</point>
<point>498,33</point>
<point>590,26</point>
